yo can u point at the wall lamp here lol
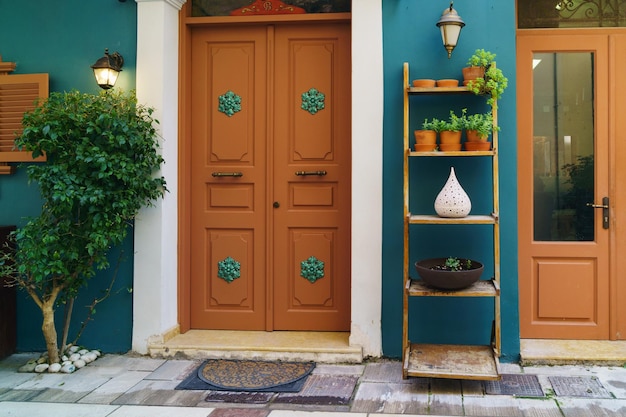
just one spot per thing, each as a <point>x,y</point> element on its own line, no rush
<point>450,24</point>
<point>107,68</point>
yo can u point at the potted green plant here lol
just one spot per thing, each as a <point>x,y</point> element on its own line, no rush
<point>450,134</point>
<point>478,127</point>
<point>476,65</point>
<point>493,82</point>
<point>102,167</point>
<point>449,273</point>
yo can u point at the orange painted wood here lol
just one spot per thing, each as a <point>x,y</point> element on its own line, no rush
<point>267,141</point>
<point>563,286</point>
<point>267,7</point>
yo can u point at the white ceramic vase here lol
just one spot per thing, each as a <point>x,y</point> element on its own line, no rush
<point>452,200</point>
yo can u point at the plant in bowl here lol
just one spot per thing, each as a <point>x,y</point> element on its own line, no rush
<point>449,273</point>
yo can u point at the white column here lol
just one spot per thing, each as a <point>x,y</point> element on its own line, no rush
<point>367,175</point>
<point>156,232</point>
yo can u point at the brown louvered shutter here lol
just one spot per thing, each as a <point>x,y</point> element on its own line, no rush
<point>18,94</point>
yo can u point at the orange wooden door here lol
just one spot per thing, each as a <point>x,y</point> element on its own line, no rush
<point>311,261</point>
<point>246,213</point>
<point>563,164</point>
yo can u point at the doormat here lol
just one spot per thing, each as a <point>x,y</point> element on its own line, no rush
<point>578,386</point>
<point>248,376</point>
<point>515,384</point>
<point>322,390</point>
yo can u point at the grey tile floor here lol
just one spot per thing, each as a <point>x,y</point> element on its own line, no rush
<point>129,385</point>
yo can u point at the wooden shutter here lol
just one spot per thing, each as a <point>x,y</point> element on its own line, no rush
<point>18,94</point>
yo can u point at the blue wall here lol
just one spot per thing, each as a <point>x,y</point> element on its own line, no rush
<point>63,38</point>
<point>410,35</point>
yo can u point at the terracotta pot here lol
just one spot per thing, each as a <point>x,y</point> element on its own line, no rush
<point>425,147</point>
<point>447,83</point>
<point>444,147</point>
<point>449,136</point>
<point>477,146</point>
<point>424,83</point>
<point>473,136</point>
<point>471,73</point>
<point>425,136</point>
<point>448,280</point>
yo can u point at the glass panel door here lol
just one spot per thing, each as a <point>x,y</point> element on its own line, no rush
<point>563,146</point>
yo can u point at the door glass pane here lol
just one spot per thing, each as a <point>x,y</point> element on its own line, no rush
<point>250,7</point>
<point>563,147</point>
<point>570,13</point>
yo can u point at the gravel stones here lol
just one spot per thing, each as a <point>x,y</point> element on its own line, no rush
<point>74,358</point>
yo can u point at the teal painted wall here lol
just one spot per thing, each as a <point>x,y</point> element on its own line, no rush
<point>63,38</point>
<point>410,35</point>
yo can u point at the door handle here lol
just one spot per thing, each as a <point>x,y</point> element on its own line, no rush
<point>605,211</point>
<point>227,174</point>
<point>305,173</point>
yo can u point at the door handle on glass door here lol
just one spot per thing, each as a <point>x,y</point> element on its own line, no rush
<point>605,211</point>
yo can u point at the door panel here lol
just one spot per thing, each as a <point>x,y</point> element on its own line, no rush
<point>228,212</point>
<point>312,224</point>
<point>563,143</point>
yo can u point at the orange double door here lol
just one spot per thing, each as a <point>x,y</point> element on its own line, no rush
<point>270,177</point>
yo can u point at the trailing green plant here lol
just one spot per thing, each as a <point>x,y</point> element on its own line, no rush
<point>456,123</point>
<point>482,123</point>
<point>493,83</point>
<point>102,153</point>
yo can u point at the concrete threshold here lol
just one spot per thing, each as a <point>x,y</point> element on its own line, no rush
<point>572,352</point>
<point>321,347</point>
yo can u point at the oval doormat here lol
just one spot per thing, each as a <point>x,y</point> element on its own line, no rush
<point>250,375</point>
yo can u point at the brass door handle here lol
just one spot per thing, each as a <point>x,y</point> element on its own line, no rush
<point>227,174</point>
<point>305,173</point>
<point>605,211</point>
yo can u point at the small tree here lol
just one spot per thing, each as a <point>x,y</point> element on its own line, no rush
<point>102,154</point>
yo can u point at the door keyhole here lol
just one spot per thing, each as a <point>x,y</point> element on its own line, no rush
<point>276,204</point>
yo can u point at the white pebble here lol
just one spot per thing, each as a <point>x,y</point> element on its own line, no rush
<point>64,358</point>
<point>29,367</point>
<point>68,362</point>
<point>41,367</point>
<point>83,351</point>
<point>89,357</point>
<point>55,367</point>
<point>42,360</point>
<point>79,363</point>
<point>68,369</point>
<point>74,356</point>
<point>73,349</point>
<point>96,352</point>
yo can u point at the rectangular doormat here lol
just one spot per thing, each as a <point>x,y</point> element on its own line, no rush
<point>248,376</point>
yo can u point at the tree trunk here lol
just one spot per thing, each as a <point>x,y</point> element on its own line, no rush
<point>49,331</point>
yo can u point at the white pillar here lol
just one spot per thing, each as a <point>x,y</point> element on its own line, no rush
<point>367,175</point>
<point>156,232</point>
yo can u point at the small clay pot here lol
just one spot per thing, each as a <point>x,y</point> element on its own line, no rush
<point>425,137</point>
<point>445,147</point>
<point>424,83</point>
<point>477,146</point>
<point>447,83</point>
<point>449,136</point>
<point>473,136</point>
<point>425,147</point>
<point>471,73</point>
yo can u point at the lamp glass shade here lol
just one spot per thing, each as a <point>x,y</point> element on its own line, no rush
<point>450,25</point>
<point>105,77</point>
<point>450,34</point>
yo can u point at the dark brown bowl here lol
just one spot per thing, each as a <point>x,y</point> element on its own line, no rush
<point>448,280</point>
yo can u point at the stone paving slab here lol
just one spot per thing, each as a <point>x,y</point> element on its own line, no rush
<point>239,397</point>
<point>385,372</point>
<point>239,412</point>
<point>539,407</point>
<point>322,390</point>
<point>114,388</point>
<point>292,413</point>
<point>160,393</point>
<point>446,404</point>
<point>174,370</point>
<point>582,407</point>
<point>491,407</point>
<point>20,395</point>
<point>10,378</point>
<point>147,411</point>
<point>398,398</point>
<point>323,369</point>
<point>14,409</point>
<point>129,363</point>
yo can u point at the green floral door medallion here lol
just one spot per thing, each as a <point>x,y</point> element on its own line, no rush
<point>228,269</point>
<point>312,101</point>
<point>229,103</point>
<point>312,269</point>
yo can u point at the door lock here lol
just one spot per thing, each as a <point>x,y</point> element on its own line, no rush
<point>605,211</point>
<point>276,204</point>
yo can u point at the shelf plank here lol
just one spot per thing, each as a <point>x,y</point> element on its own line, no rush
<point>438,90</point>
<point>452,361</point>
<point>452,153</point>
<point>434,219</point>
<point>481,288</point>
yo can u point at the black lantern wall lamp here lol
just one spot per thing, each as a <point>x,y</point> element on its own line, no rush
<point>450,25</point>
<point>107,68</point>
